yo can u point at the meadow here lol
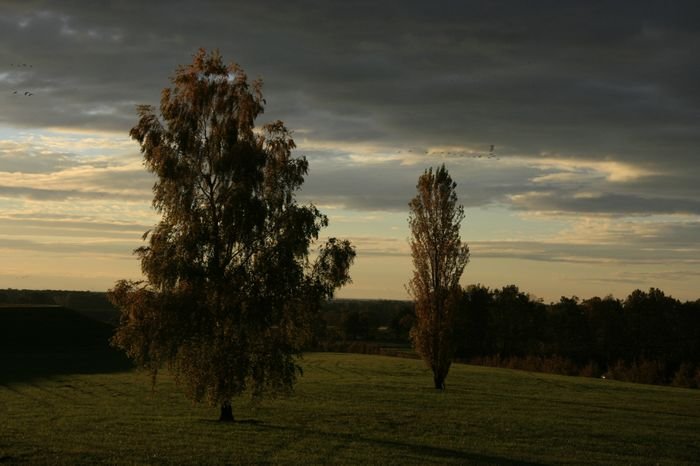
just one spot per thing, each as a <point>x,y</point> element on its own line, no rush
<point>346,409</point>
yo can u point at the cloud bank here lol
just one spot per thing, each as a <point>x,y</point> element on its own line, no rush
<point>592,109</point>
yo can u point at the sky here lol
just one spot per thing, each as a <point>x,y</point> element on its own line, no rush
<point>593,109</point>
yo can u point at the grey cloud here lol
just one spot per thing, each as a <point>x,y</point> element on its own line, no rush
<point>18,160</point>
<point>607,203</point>
<point>656,276</point>
<point>390,185</point>
<point>680,235</point>
<point>631,252</point>
<point>39,194</point>
<point>595,81</point>
<point>625,249</point>
<point>72,224</point>
<point>101,248</point>
<point>662,243</point>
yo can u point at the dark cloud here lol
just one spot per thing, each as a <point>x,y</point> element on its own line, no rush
<point>681,236</point>
<point>16,159</point>
<point>585,253</point>
<point>72,224</point>
<point>389,185</point>
<point>115,248</point>
<point>579,81</point>
<point>38,194</point>
<point>606,203</point>
<point>593,108</point>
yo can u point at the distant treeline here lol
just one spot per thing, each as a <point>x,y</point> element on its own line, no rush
<point>648,337</point>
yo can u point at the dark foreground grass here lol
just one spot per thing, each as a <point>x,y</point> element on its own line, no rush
<point>353,409</point>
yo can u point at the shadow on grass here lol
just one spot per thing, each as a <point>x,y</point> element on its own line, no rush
<point>26,367</point>
<point>253,422</point>
<point>401,447</point>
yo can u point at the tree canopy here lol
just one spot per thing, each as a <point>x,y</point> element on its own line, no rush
<point>229,291</point>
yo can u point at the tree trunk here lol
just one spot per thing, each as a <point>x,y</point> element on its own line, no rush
<point>226,412</point>
<point>439,382</point>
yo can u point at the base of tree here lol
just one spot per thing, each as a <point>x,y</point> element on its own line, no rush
<point>226,413</point>
<point>439,383</point>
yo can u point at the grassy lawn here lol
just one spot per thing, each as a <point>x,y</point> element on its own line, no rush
<point>351,409</point>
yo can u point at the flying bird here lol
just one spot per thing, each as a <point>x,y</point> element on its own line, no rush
<point>491,154</point>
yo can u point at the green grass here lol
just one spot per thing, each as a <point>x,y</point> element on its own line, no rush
<point>352,409</point>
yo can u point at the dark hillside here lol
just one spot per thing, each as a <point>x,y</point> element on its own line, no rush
<point>40,328</point>
<point>38,341</point>
<point>93,304</point>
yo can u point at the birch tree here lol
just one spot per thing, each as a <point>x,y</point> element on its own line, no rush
<point>230,292</point>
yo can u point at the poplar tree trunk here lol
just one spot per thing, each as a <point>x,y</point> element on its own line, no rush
<point>439,382</point>
<point>226,412</point>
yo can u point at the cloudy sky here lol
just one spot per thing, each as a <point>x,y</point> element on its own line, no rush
<point>593,109</point>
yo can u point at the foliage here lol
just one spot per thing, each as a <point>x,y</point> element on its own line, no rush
<point>439,258</point>
<point>230,293</point>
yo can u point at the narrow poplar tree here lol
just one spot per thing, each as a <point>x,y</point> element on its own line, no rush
<point>439,258</point>
<point>230,293</point>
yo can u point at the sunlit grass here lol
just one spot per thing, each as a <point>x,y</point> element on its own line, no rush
<point>353,409</point>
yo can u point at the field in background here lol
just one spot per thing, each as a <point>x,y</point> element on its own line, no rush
<point>350,409</point>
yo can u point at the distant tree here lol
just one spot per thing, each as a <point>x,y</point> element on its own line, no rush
<point>355,325</point>
<point>515,321</point>
<point>439,258</point>
<point>402,322</point>
<point>230,293</point>
<point>571,330</point>
<point>472,322</point>
<point>688,331</point>
<point>609,339</point>
<point>649,318</point>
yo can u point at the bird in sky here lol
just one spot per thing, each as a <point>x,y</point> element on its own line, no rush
<point>491,154</point>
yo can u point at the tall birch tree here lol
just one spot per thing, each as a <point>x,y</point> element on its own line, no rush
<point>230,291</point>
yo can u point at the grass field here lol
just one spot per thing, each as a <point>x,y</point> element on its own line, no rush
<point>352,409</point>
